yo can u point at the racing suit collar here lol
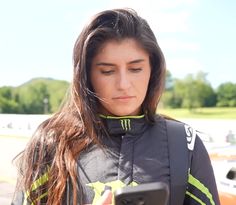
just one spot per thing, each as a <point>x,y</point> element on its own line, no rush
<point>125,124</point>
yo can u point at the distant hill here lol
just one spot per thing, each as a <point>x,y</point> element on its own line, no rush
<point>44,80</point>
<point>36,96</point>
<point>38,79</point>
<point>46,88</point>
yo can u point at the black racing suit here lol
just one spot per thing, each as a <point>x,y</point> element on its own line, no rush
<point>136,152</point>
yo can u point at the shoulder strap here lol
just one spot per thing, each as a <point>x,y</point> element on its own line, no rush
<point>179,156</point>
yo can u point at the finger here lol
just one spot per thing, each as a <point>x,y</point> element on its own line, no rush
<point>106,198</point>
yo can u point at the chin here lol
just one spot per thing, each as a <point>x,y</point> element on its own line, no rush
<point>126,113</point>
<point>121,111</point>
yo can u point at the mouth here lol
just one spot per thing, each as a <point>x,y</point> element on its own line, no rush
<point>125,98</point>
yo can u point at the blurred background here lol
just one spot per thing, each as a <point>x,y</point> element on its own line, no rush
<point>197,38</point>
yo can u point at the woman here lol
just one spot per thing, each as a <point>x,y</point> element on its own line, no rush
<point>107,134</point>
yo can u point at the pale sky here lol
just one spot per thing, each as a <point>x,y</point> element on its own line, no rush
<point>37,37</point>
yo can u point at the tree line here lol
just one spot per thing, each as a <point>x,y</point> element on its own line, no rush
<point>38,96</point>
<point>194,91</point>
<point>44,95</point>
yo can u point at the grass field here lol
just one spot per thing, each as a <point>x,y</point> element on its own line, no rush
<point>199,113</point>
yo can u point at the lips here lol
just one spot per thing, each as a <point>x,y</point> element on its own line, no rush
<point>123,97</point>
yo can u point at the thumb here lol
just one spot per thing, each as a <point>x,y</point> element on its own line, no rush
<point>106,198</point>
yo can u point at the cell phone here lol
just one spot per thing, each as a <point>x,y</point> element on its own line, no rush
<point>155,193</point>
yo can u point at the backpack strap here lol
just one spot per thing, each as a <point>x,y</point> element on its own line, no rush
<point>180,154</point>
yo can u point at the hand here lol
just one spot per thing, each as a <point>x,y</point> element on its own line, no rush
<point>106,198</point>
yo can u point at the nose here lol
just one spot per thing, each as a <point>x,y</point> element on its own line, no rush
<point>123,82</point>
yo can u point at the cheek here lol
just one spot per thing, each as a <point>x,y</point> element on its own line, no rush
<point>143,84</point>
<point>94,82</point>
<point>100,87</point>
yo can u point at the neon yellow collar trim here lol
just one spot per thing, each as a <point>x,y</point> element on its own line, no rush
<point>123,117</point>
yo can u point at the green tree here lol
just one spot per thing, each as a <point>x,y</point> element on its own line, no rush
<point>226,95</point>
<point>186,89</point>
<point>197,91</point>
<point>169,98</point>
<point>38,96</point>
<point>32,98</point>
<point>8,104</point>
<point>191,92</point>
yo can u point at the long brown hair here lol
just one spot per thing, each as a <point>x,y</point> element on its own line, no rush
<point>58,142</point>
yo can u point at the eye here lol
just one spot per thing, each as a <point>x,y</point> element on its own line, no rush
<point>135,70</point>
<point>107,72</point>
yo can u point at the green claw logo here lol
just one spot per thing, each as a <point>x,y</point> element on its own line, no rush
<point>125,123</point>
<point>99,187</point>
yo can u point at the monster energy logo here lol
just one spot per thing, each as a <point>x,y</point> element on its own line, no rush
<point>99,187</point>
<point>125,123</point>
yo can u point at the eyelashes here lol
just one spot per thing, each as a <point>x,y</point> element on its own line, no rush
<point>135,70</point>
<point>112,71</point>
<point>107,72</point>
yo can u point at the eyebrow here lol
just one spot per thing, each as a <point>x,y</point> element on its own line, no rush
<point>136,61</point>
<point>111,64</point>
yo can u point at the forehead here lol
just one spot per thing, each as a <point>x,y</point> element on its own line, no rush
<point>125,48</point>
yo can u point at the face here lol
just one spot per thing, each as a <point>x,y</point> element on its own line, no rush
<point>120,75</point>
